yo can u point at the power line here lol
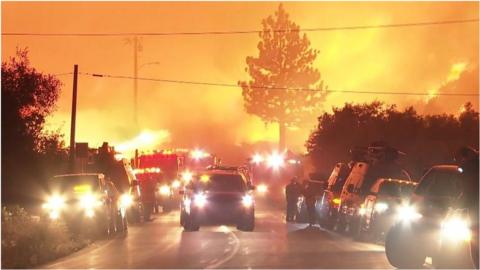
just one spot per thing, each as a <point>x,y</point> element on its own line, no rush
<point>315,29</point>
<point>230,85</point>
<point>62,74</point>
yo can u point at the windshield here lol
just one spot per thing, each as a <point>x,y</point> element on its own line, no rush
<point>396,189</point>
<point>74,183</point>
<point>223,183</point>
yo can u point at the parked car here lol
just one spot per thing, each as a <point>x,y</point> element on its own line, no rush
<point>378,212</point>
<point>327,208</point>
<point>86,201</point>
<point>431,222</point>
<point>356,187</point>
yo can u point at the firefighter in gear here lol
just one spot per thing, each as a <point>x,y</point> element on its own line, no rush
<point>467,159</point>
<point>147,188</point>
<point>292,193</point>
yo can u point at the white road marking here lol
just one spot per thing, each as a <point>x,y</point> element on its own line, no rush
<point>228,256</point>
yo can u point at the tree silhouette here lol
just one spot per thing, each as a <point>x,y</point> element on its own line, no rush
<point>28,97</point>
<point>284,65</point>
<point>426,139</point>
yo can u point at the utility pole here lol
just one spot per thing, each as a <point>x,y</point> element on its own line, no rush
<point>74,117</point>
<point>135,81</point>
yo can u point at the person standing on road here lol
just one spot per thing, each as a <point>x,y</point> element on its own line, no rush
<point>309,194</point>
<point>292,193</point>
<point>147,188</point>
<point>467,159</point>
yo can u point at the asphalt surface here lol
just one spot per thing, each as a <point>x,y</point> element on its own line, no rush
<point>162,243</point>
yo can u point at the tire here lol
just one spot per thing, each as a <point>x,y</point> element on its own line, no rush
<point>340,225</point>
<point>354,227</point>
<point>191,225</point>
<point>182,217</point>
<point>122,224</point>
<point>398,248</point>
<point>248,224</point>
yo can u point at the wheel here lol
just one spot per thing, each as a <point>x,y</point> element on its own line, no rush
<point>354,227</point>
<point>302,215</point>
<point>398,248</point>
<point>121,224</point>
<point>182,217</point>
<point>364,234</point>
<point>247,224</point>
<point>340,224</point>
<point>190,224</point>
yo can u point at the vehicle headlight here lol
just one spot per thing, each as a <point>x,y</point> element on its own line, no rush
<point>176,184</point>
<point>126,200</point>
<point>89,202</point>
<point>262,188</point>
<point>381,207</point>
<point>187,176</point>
<point>247,200</point>
<point>407,213</point>
<point>54,205</point>
<point>165,190</point>
<point>456,229</point>
<point>200,200</point>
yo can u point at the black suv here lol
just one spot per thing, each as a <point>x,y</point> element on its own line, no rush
<point>218,197</point>
<point>83,200</point>
<point>427,221</point>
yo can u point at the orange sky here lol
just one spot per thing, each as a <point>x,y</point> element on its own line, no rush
<point>416,59</point>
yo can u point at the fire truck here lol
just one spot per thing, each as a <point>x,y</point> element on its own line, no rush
<point>275,169</point>
<point>170,170</point>
<point>159,169</point>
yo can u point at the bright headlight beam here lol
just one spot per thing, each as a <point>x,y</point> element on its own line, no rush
<point>165,190</point>
<point>89,201</point>
<point>176,184</point>
<point>55,202</point>
<point>262,188</point>
<point>200,200</point>
<point>381,207</point>
<point>407,214</point>
<point>275,160</point>
<point>257,158</point>
<point>456,229</point>
<point>187,176</point>
<point>126,200</point>
<point>247,200</point>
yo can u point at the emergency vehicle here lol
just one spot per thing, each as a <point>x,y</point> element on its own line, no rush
<point>159,170</point>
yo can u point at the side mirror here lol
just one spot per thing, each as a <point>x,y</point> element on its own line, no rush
<point>350,188</point>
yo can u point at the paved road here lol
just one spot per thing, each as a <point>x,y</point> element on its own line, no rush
<point>274,244</point>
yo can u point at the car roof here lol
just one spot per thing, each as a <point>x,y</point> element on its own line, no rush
<point>78,174</point>
<point>445,168</point>
<point>398,181</point>
<point>221,172</point>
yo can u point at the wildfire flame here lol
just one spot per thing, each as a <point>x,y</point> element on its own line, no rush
<point>147,139</point>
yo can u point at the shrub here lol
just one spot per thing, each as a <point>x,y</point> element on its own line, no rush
<point>29,241</point>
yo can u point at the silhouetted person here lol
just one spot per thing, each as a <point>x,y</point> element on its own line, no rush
<point>467,159</point>
<point>147,188</point>
<point>292,192</point>
<point>309,194</point>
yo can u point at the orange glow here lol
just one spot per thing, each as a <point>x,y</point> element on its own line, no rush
<point>418,59</point>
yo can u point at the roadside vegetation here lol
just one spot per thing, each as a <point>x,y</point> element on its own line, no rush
<point>29,241</point>
<point>425,139</point>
